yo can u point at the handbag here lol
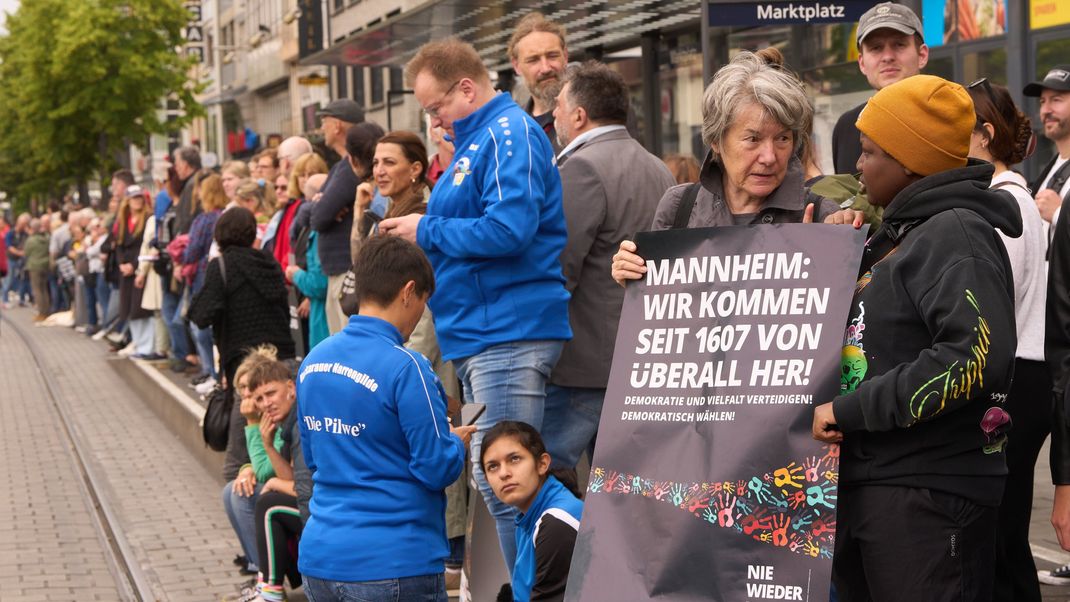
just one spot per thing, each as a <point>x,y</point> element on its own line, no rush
<point>216,427</point>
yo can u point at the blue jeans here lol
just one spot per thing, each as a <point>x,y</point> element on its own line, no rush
<point>242,514</point>
<point>570,422</point>
<point>202,338</point>
<point>510,379</point>
<point>172,318</point>
<point>424,588</point>
<point>15,280</point>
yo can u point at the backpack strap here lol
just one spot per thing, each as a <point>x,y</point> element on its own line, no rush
<point>687,205</point>
<point>1010,183</point>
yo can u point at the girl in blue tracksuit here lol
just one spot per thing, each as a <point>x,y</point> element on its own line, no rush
<point>518,469</point>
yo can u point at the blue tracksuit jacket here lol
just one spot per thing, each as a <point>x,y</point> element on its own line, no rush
<point>494,230</point>
<point>375,436</point>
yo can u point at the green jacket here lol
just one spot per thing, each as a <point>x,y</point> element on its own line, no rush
<point>37,252</point>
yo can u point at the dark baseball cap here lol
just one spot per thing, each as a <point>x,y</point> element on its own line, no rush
<point>1056,79</point>
<point>344,109</point>
<point>888,15</point>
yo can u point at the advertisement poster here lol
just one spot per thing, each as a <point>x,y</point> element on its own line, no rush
<point>1048,13</point>
<point>706,483</point>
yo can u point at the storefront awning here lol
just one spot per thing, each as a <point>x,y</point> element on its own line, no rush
<point>488,25</point>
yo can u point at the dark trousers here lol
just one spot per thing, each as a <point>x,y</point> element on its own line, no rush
<point>910,544</point>
<point>39,282</point>
<point>278,527</point>
<point>1029,403</point>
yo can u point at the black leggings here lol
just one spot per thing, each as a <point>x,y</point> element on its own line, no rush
<point>278,529</point>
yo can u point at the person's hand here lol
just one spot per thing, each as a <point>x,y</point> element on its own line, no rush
<point>365,194</point>
<point>126,269</point>
<point>304,308</point>
<point>267,431</point>
<point>273,484</point>
<point>249,410</point>
<point>851,217</point>
<point>1060,515</point>
<point>824,423</point>
<point>290,271</point>
<point>463,432</point>
<point>1048,202</point>
<point>245,482</point>
<point>626,264</point>
<point>403,227</point>
<point>139,281</point>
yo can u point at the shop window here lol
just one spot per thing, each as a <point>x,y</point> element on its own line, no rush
<point>1050,54</point>
<point>378,89</point>
<point>985,63</point>
<point>680,94</point>
<point>358,85</point>
<point>949,21</point>
<point>342,77</point>
<point>630,65</point>
<point>942,66</point>
<point>397,85</point>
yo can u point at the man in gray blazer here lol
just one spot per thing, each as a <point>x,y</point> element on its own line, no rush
<point>610,188</point>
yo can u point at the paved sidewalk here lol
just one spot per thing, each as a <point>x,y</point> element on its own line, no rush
<point>171,510</point>
<point>49,549</point>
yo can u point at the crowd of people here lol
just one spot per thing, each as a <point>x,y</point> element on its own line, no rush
<point>347,312</point>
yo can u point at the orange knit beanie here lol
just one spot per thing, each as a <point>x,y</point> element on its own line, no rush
<point>924,122</point>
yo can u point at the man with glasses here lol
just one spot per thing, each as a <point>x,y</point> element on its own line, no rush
<point>267,165</point>
<point>494,230</point>
<point>890,49</point>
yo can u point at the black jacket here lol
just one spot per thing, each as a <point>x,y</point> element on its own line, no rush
<point>846,146</point>
<point>1057,342</point>
<point>332,217</point>
<point>929,350</point>
<point>250,309</point>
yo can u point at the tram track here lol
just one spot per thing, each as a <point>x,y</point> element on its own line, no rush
<point>132,583</point>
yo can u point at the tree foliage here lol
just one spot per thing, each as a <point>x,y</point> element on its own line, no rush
<point>81,80</point>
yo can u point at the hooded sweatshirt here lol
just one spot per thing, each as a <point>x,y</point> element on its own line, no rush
<point>247,307</point>
<point>929,349</point>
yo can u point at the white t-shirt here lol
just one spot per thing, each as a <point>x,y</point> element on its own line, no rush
<point>1028,266</point>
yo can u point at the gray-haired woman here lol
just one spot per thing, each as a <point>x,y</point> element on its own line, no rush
<point>755,118</point>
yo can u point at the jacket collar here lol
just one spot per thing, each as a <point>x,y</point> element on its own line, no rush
<point>482,117</point>
<point>376,326</point>
<point>547,493</point>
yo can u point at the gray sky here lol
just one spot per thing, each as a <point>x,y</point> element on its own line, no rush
<point>7,6</point>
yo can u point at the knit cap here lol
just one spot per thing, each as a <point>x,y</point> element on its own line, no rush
<point>924,122</point>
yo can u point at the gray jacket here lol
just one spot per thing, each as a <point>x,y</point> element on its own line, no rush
<point>784,206</point>
<point>610,188</point>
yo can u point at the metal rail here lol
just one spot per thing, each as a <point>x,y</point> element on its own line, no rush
<point>132,582</point>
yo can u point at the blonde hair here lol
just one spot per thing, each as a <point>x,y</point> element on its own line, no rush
<point>265,367</point>
<point>262,194</point>
<point>211,192</point>
<point>236,168</point>
<point>306,165</point>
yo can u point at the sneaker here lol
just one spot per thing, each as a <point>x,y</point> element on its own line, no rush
<point>127,351</point>
<point>100,334</point>
<point>1059,576</point>
<point>205,387</point>
<point>148,357</point>
<point>193,385</point>
<point>81,329</point>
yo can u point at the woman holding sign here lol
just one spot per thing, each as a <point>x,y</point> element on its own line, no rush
<point>756,117</point>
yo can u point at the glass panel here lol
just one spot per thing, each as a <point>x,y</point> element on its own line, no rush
<point>680,77</point>
<point>943,66</point>
<point>629,64</point>
<point>358,85</point>
<point>378,90</point>
<point>985,63</point>
<point>1049,54</point>
<point>342,77</point>
<point>961,20</point>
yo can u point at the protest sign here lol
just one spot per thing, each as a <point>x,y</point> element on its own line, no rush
<point>706,483</point>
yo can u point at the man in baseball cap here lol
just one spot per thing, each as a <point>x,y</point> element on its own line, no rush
<point>890,49</point>
<point>343,109</point>
<point>1052,191</point>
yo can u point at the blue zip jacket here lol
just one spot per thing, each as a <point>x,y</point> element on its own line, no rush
<point>494,230</point>
<point>545,537</point>
<point>312,283</point>
<point>375,437</point>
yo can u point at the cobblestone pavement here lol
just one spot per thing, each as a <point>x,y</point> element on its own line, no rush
<point>170,508</point>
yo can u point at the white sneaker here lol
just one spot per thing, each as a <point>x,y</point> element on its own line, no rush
<point>100,334</point>
<point>1059,576</point>
<point>81,329</point>
<point>127,351</point>
<point>205,387</point>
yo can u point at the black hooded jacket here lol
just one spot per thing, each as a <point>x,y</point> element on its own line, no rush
<point>249,309</point>
<point>928,354</point>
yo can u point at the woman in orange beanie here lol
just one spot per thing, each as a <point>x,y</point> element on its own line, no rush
<point>923,426</point>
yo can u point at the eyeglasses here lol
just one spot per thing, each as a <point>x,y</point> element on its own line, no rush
<point>432,111</point>
<point>983,83</point>
<point>280,187</point>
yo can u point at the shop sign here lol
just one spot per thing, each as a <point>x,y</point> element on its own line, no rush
<point>785,13</point>
<point>1048,13</point>
<point>310,27</point>
<point>194,32</point>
